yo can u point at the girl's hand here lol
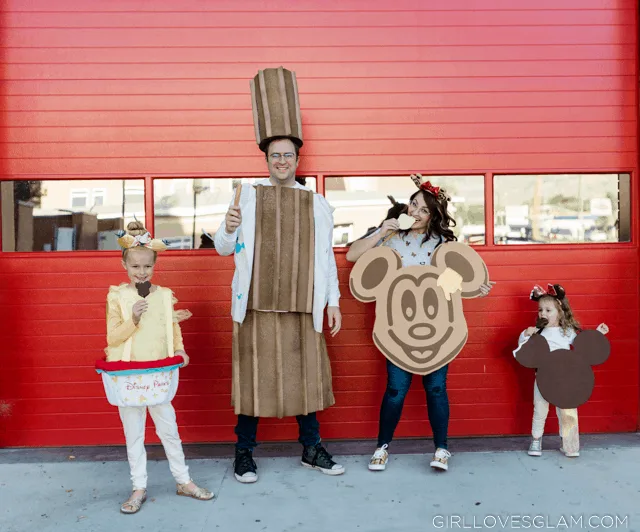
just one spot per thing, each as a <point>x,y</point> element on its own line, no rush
<point>389,226</point>
<point>602,328</point>
<point>486,288</point>
<point>530,331</point>
<point>182,354</point>
<point>139,308</point>
<point>183,314</point>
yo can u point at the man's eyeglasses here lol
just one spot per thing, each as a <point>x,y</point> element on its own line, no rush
<point>276,156</point>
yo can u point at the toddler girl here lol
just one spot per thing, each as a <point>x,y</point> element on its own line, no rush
<point>560,328</point>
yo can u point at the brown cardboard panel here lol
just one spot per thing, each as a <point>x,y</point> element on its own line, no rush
<point>276,106</point>
<point>564,376</point>
<point>420,324</point>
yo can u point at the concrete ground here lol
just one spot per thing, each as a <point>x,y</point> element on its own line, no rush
<point>491,485</point>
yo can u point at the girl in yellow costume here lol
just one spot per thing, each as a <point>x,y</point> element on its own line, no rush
<point>138,333</point>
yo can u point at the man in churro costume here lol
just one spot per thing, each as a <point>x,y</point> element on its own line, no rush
<point>285,275</point>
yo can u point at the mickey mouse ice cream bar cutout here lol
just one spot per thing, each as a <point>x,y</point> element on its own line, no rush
<point>420,324</point>
<point>565,378</point>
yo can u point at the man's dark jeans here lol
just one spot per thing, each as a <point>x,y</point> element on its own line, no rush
<point>247,429</point>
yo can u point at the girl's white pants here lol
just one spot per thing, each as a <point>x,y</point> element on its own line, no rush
<point>134,420</point>
<point>567,419</point>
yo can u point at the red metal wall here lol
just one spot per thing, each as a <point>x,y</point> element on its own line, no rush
<point>125,88</point>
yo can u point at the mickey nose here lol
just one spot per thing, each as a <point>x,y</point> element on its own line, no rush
<point>422,331</point>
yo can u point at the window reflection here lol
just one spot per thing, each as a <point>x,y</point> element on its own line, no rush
<point>550,209</point>
<point>187,210</point>
<point>68,215</point>
<point>362,203</point>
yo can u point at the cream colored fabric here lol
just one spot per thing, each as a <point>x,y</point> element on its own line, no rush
<point>134,420</point>
<point>567,419</point>
<point>156,336</point>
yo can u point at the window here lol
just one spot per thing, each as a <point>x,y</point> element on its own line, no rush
<point>60,215</point>
<point>98,197</point>
<point>79,198</point>
<point>566,208</point>
<point>362,203</point>
<point>186,210</point>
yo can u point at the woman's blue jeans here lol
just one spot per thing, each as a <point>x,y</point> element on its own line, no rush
<point>398,383</point>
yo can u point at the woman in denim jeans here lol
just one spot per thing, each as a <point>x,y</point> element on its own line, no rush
<point>432,227</point>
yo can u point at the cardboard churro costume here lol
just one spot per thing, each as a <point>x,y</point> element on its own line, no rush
<point>285,276</point>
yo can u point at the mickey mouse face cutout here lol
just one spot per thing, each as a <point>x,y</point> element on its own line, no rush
<point>420,325</point>
<point>565,378</point>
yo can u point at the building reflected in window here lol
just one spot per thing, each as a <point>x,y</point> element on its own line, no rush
<point>362,203</point>
<point>188,211</point>
<point>68,215</point>
<point>555,209</point>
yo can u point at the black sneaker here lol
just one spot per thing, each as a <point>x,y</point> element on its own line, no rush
<point>317,457</point>
<point>244,467</point>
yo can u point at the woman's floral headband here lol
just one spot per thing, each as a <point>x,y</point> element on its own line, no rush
<point>439,193</point>
<point>129,241</point>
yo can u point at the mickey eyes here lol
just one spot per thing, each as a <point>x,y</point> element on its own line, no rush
<point>409,304</point>
<point>431,303</point>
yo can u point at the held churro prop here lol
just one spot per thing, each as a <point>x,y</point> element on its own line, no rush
<point>420,324</point>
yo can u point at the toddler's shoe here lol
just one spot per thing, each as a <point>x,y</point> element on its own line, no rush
<point>535,449</point>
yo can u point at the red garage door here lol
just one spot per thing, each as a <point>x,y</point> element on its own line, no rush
<point>123,108</point>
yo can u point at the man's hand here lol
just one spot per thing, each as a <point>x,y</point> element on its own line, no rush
<point>232,219</point>
<point>335,319</point>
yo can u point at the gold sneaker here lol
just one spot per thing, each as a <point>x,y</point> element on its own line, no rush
<point>441,459</point>
<point>379,459</point>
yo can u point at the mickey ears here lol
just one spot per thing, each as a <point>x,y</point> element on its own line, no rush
<point>553,290</point>
<point>370,271</point>
<point>465,261</point>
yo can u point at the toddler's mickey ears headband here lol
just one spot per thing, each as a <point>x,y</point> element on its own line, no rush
<point>129,241</point>
<point>439,193</point>
<point>553,290</point>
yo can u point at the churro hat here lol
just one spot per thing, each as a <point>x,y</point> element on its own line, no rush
<point>276,106</point>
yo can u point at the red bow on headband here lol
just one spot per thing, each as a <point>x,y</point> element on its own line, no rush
<point>428,187</point>
<point>552,290</point>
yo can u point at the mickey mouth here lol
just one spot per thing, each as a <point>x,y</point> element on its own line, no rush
<point>421,354</point>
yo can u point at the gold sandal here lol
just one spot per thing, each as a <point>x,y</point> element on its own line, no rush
<point>201,494</point>
<point>133,504</point>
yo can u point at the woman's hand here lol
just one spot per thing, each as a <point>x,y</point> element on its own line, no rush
<point>486,288</point>
<point>139,308</point>
<point>389,226</point>
<point>335,319</point>
<point>181,353</point>
<point>602,328</point>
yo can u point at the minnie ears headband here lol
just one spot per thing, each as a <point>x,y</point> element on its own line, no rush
<point>129,241</point>
<point>437,192</point>
<point>553,290</point>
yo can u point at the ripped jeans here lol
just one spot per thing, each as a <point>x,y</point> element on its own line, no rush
<point>398,383</point>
